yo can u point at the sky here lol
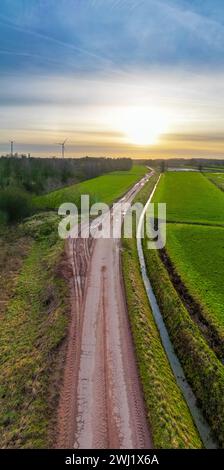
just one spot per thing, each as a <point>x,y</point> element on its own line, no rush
<point>135,78</point>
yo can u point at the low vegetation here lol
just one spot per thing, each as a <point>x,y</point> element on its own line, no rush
<point>14,247</point>
<point>15,204</point>
<point>170,420</point>
<point>33,324</point>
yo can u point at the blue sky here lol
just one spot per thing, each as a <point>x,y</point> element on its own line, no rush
<point>94,34</point>
<point>94,49</point>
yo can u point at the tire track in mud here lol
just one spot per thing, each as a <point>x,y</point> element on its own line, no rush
<point>68,396</point>
<point>101,401</point>
<point>106,433</point>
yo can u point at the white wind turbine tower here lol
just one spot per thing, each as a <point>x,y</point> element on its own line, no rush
<point>12,147</point>
<point>62,147</point>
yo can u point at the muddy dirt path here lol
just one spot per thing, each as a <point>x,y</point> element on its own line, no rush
<point>101,402</point>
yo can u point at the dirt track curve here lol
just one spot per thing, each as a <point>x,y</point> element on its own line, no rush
<point>101,402</point>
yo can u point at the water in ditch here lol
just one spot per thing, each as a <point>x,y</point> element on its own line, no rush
<point>199,420</point>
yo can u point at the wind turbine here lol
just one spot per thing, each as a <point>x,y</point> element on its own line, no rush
<point>62,147</point>
<point>11,146</point>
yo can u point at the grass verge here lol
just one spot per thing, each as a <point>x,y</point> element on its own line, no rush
<point>170,420</point>
<point>14,247</point>
<point>32,329</point>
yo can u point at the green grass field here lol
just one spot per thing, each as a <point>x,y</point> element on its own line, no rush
<point>190,197</point>
<point>195,247</point>
<point>106,188</point>
<point>195,244</point>
<point>198,255</point>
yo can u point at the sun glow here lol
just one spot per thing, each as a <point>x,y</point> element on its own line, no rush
<point>143,126</point>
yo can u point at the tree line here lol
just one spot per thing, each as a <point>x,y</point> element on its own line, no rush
<point>39,175</point>
<point>22,177</point>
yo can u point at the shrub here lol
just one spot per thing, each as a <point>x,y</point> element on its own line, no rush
<point>15,203</point>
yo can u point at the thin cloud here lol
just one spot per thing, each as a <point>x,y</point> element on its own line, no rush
<point>6,21</point>
<point>195,137</point>
<point>209,30</point>
<point>31,55</point>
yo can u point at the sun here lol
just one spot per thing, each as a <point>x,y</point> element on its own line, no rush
<point>143,126</point>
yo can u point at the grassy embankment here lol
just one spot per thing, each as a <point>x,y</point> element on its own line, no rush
<point>196,254</point>
<point>170,420</point>
<point>217,179</point>
<point>32,327</point>
<point>34,314</point>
